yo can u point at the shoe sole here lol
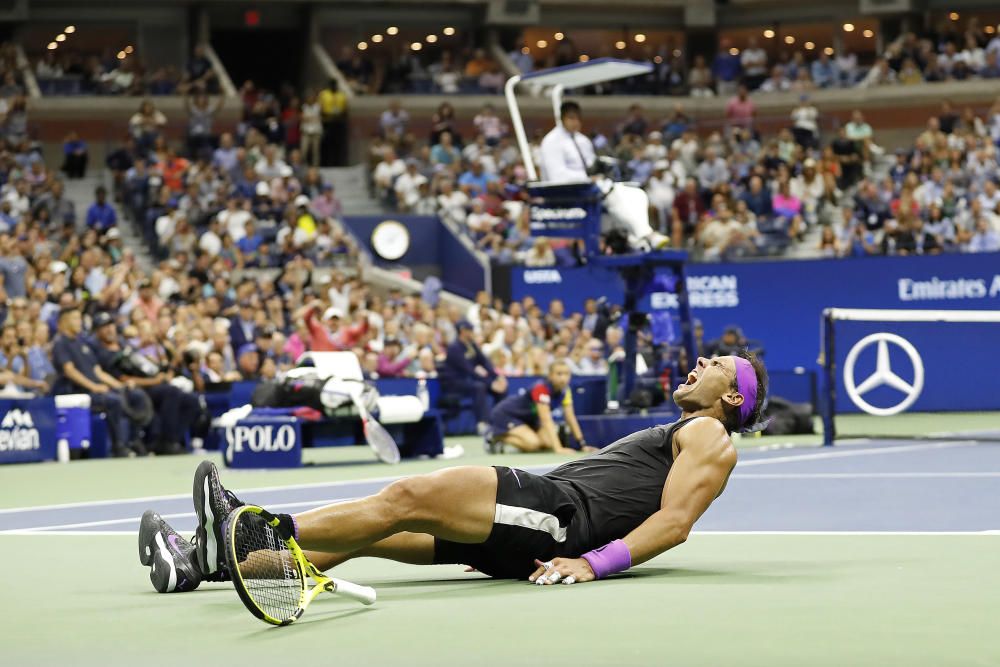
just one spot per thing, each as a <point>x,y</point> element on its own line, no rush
<point>206,553</point>
<point>148,527</point>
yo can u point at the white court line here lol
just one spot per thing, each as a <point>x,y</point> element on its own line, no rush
<point>540,468</point>
<point>238,491</point>
<point>178,515</point>
<point>859,452</point>
<point>863,475</point>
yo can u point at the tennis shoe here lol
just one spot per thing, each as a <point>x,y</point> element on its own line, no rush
<point>170,558</point>
<point>212,503</point>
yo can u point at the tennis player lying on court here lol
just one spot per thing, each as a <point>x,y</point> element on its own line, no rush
<point>585,520</point>
<point>527,421</point>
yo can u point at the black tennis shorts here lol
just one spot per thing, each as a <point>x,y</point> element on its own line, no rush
<point>535,518</point>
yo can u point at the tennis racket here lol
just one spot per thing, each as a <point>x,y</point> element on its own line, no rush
<point>270,572</point>
<point>378,438</point>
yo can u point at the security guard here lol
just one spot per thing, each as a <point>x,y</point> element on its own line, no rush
<point>176,410</point>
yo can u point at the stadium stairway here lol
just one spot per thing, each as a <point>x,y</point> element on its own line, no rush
<point>81,192</point>
<point>351,187</point>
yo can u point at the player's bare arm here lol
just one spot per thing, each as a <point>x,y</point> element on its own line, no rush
<point>698,476</point>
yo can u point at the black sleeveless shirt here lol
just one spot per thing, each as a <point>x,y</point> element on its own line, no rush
<point>620,486</point>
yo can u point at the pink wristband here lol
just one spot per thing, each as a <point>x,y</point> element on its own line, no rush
<point>611,558</point>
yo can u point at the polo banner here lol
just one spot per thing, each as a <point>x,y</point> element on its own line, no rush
<point>779,303</point>
<point>264,442</point>
<point>27,430</point>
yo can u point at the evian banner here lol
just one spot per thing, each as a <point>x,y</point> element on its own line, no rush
<point>779,302</point>
<point>27,430</point>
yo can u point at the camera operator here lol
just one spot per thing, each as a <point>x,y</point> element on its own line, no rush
<point>176,410</point>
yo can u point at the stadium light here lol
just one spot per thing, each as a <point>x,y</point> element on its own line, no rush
<point>416,46</point>
<point>449,31</point>
<point>52,46</point>
<point>828,50</point>
<point>541,43</point>
<point>953,16</point>
<point>70,29</point>
<point>129,49</point>
<point>677,53</point>
<point>431,39</point>
<point>362,46</point>
<point>584,58</point>
<point>989,30</point>
<point>558,36</point>
<point>121,55</point>
<point>658,59</point>
<point>640,38</point>
<point>810,46</point>
<point>848,27</point>
<point>769,33</point>
<point>525,50</point>
<point>377,39</point>
<point>60,38</point>
<point>392,30</point>
<point>734,51</point>
<point>868,33</point>
<point>619,45</point>
<point>789,39</point>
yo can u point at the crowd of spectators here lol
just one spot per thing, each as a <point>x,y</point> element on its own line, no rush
<point>253,267</point>
<point>729,194</point>
<point>944,54</point>
<point>13,97</point>
<point>439,71</point>
<point>68,72</point>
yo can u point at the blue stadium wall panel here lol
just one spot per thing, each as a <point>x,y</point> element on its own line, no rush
<point>433,251</point>
<point>780,303</point>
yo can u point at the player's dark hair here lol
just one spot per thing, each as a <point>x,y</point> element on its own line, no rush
<point>569,107</point>
<point>732,422</point>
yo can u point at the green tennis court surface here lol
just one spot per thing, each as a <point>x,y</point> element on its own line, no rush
<point>870,553</point>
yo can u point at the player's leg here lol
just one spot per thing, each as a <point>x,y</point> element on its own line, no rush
<point>405,547</point>
<point>523,437</point>
<point>456,504</point>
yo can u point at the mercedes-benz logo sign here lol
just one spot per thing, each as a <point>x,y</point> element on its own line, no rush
<point>883,374</point>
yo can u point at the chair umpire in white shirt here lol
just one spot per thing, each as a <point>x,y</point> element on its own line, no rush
<point>566,156</point>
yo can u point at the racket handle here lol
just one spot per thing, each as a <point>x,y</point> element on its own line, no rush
<point>363,594</point>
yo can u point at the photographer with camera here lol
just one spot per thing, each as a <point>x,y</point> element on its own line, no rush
<point>175,410</point>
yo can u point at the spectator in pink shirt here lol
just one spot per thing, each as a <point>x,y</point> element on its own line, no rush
<point>391,363</point>
<point>789,208</point>
<point>326,204</point>
<point>298,342</point>
<point>740,109</point>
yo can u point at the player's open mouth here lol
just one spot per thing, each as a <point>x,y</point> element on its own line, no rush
<point>691,379</point>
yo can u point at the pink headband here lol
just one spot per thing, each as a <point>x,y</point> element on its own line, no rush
<point>746,384</point>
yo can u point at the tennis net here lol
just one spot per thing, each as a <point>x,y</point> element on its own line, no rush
<point>904,374</point>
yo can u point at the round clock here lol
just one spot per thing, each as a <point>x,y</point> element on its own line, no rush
<point>390,240</point>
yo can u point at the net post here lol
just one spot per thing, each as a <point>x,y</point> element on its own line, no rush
<point>827,358</point>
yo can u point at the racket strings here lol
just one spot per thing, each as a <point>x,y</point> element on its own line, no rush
<point>268,569</point>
